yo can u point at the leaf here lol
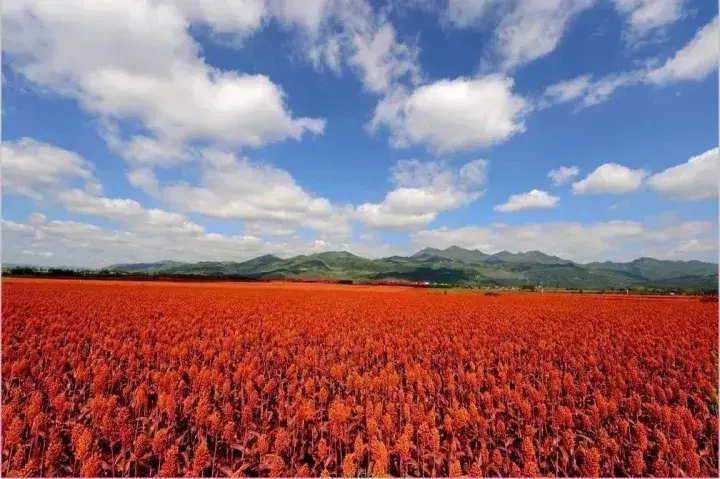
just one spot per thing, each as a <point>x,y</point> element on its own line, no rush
<point>226,470</point>
<point>186,458</point>
<point>565,455</point>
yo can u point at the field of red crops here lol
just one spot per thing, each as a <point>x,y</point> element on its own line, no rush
<point>104,378</point>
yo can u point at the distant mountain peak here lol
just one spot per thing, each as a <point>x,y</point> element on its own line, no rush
<point>336,255</point>
<point>645,259</point>
<point>529,257</point>
<point>426,251</point>
<point>452,253</point>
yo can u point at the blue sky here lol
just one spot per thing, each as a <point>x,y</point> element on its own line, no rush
<point>188,130</point>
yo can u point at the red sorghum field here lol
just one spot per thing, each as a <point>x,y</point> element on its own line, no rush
<point>137,379</point>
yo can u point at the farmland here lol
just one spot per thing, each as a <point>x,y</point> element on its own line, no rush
<point>104,378</point>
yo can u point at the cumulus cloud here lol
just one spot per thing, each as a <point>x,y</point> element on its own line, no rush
<point>562,175</point>
<point>423,190</point>
<point>610,178</point>
<point>532,200</point>
<point>600,241</point>
<point>128,211</point>
<point>139,62</point>
<point>694,61</point>
<point>233,187</point>
<point>694,180</point>
<point>32,168</point>
<point>229,187</point>
<point>453,115</point>
<point>142,151</point>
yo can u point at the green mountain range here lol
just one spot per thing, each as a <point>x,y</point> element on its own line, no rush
<point>456,266</point>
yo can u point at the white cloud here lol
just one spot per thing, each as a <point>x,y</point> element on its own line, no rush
<point>419,174</point>
<point>610,178</point>
<point>85,244</point>
<point>568,90</point>
<point>474,172</point>
<point>610,240</point>
<point>197,104</point>
<point>32,168</point>
<point>145,180</point>
<point>53,242</point>
<point>694,180</point>
<point>453,115</point>
<point>240,18</point>
<point>669,229</point>
<point>562,175</point>
<point>352,34</point>
<point>152,234</point>
<point>602,89</point>
<point>229,187</point>
<point>524,30</point>
<point>534,29</point>
<point>423,190</point>
<point>382,60</point>
<point>139,62</point>
<point>532,200</point>
<point>232,187</point>
<point>647,16</point>
<point>268,229</point>
<point>694,61</point>
<point>589,92</point>
<point>56,242</point>
<point>468,13</point>
<point>128,211</point>
<point>686,249</point>
<point>143,151</point>
<point>308,14</point>
<point>330,33</point>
